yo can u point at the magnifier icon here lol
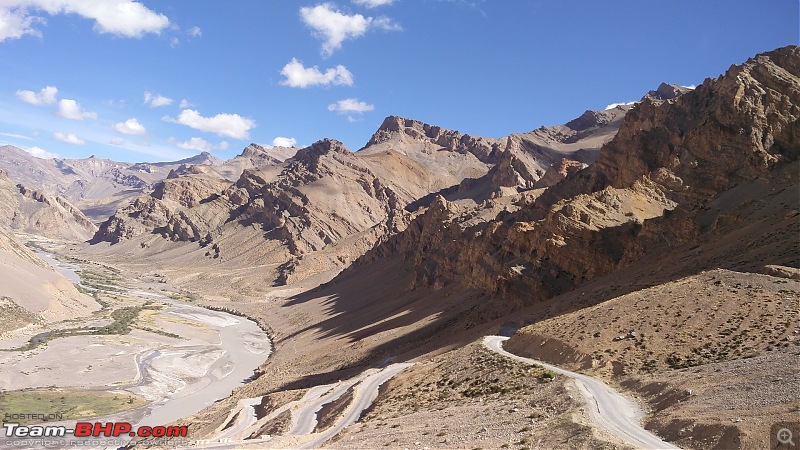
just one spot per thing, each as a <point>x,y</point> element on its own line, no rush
<point>785,436</point>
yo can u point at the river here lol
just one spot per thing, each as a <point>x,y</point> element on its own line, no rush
<point>242,348</point>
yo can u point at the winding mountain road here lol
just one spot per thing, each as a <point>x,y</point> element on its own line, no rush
<point>304,414</point>
<point>304,418</point>
<point>608,408</point>
<point>365,393</point>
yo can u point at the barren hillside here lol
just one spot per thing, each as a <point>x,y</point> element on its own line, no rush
<point>99,186</point>
<point>26,210</point>
<point>33,292</point>
<point>675,193</point>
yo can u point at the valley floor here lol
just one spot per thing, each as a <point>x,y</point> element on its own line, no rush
<point>143,358</point>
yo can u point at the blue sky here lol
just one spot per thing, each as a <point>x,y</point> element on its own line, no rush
<point>159,80</point>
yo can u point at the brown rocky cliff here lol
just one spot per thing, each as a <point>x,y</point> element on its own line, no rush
<point>727,131</point>
<point>350,199</point>
<point>558,172</point>
<point>666,91</point>
<point>653,189</point>
<point>29,210</point>
<point>322,197</point>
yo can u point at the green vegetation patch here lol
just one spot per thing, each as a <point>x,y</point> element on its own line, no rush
<point>26,407</point>
<point>123,323</point>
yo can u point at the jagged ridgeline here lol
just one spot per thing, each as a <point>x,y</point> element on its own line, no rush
<point>311,214</point>
<point>639,216</point>
<point>318,210</point>
<point>710,174</point>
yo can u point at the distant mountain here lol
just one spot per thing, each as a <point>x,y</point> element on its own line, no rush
<point>253,157</point>
<point>203,158</point>
<point>309,216</point>
<point>668,92</point>
<point>31,211</point>
<point>464,167</point>
<point>99,186</point>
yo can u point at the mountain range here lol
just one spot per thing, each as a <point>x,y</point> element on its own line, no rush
<point>644,244</point>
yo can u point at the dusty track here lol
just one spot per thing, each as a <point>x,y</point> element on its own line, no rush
<point>608,408</point>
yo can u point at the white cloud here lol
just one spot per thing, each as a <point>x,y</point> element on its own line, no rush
<point>130,126</point>
<point>156,100</point>
<point>281,141</point>
<point>614,105</point>
<point>333,27</point>
<point>46,96</point>
<point>120,17</point>
<point>117,141</point>
<point>39,152</point>
<point>68,138</point>
<point>185,104</point>
<point>691,86</point>
<point>350,105</point>
<point>70,109</point>
<point>300,76</point>
<point>225,125</point>
<point>196,143</point>
<point>16,136</point>
<point>194,32</point>
<point>373,3</point>
<point>199,144</point>
<point>15,23</point>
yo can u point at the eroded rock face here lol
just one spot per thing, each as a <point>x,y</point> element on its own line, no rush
<point>142,216</point>
<point>558,172</point>
<point>33,211</point>
<point>188,191</point>
<point>667,91</point>
<point>486,150</point>
<point>321,197</point>
<point>672,177</point>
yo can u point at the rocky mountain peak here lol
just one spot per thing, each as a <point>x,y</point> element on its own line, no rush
<point>394,127</point>
<point>726,131</point>
<point>667,91</point>
<point>203,158</point>
<point>273,153</point>
<point>254,150</point>
<point>310,156</point>
<point>325,146</point>
<point>590,119</point>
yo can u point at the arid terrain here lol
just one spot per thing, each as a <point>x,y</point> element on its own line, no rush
<point>320,296</point>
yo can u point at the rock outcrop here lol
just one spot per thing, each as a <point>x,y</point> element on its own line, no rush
<point>667,91</point>
<point>96,186</point>
<point>323,200</point>
<point>486,150</point>
<point>673,177</point>
<point>31,211</point>
<point>558,172</point>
